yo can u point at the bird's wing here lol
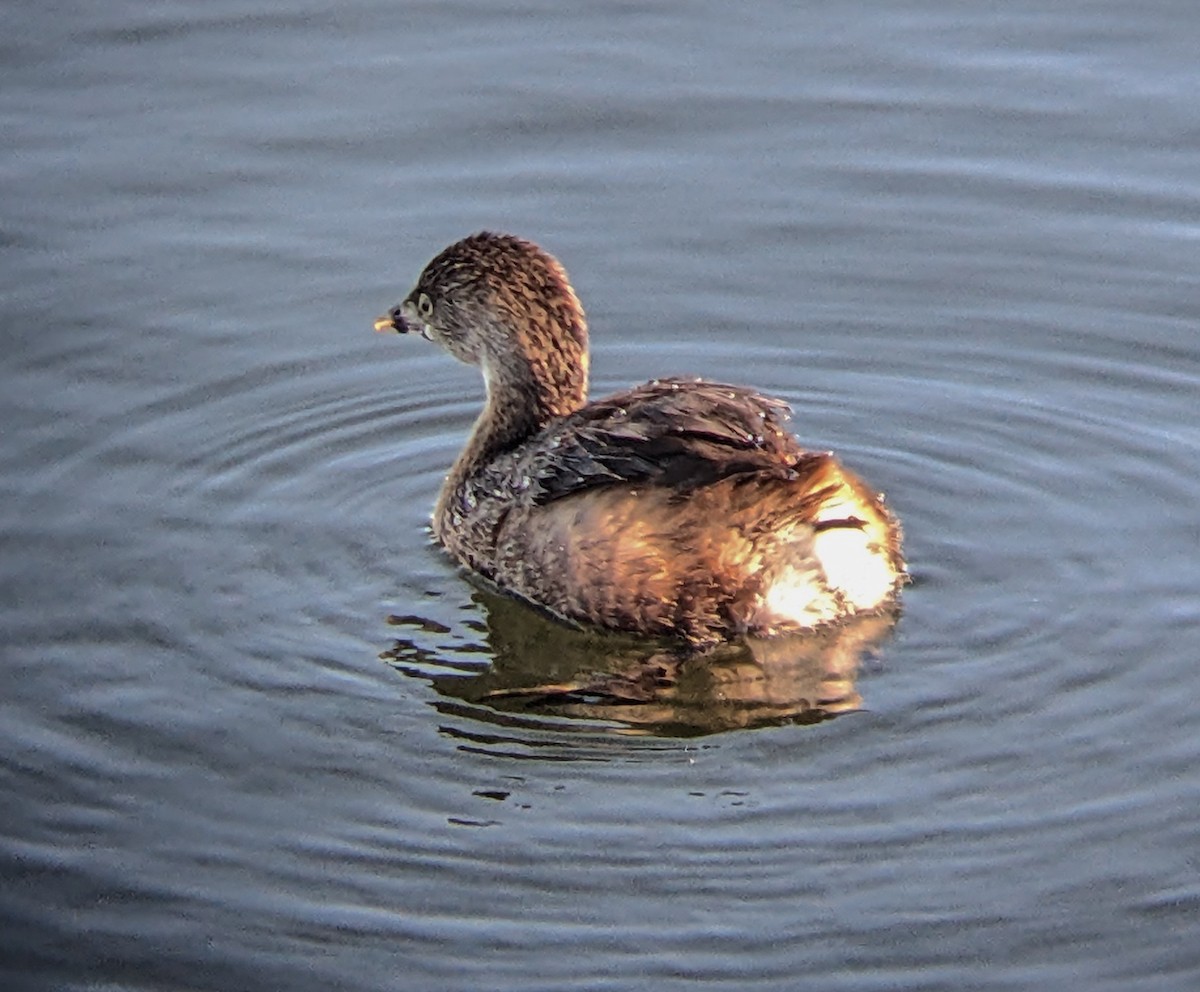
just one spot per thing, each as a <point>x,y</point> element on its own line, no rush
<point>676,433</point>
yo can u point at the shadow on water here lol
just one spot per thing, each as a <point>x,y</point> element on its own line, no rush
<point>538,669</point>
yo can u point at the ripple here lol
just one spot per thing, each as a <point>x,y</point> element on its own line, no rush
<point>964,447</point>
<point>961,242</point>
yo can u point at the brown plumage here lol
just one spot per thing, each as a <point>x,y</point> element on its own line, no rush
<point>680,508</point>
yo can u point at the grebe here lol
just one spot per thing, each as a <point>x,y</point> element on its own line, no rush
<point>681,508</point>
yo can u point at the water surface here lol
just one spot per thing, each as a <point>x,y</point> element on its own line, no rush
<point>251,734</point>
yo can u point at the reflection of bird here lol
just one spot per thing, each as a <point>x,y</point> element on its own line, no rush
<point>533,669</point>
<point>678,508</point>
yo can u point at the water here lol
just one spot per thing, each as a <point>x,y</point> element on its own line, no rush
<point>256,731</point>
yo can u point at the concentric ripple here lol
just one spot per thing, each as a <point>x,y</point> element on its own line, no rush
<point>963,453</point>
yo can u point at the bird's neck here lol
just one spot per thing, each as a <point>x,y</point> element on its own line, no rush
<point>523,397</point>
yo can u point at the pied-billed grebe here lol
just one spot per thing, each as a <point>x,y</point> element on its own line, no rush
<point>680,508</point>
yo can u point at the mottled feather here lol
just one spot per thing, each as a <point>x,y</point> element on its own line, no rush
<point>678,433</point>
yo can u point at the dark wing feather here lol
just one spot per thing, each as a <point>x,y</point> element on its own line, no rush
<point>682,434</point>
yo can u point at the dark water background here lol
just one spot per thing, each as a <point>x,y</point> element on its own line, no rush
<point>962,239</point>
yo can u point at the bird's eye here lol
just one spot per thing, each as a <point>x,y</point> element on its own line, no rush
<point>425,305</point>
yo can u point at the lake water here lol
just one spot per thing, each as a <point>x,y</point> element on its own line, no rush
<point>256,730</point>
